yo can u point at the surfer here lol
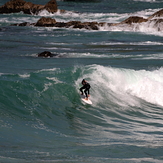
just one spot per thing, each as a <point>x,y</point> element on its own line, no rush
<point>85,86</point>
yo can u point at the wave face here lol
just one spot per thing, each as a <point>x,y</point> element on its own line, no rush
<point>116,84</point>
<point>42,110</point>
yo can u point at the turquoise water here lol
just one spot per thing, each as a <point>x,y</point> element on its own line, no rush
<point>42,118</point>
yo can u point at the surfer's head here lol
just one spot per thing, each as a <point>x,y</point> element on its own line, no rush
<point>83,81</point>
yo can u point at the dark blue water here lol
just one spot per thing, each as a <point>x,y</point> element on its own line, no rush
<point>42,118</point>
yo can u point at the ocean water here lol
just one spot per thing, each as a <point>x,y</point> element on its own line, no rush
<point>42,118</point>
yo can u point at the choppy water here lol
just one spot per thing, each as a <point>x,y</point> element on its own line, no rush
<point>42,118</point>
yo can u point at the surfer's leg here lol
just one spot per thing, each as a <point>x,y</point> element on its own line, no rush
<point>81,90</point>
<point>88,93</point>
<point>85,91</point>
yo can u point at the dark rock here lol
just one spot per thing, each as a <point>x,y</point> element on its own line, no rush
<point>46,22</point>
<point>47,54</point>
<point>14,6</point>
<point>157,14</point>
<point>61,24</point>
<point>24,24</point>
<point>51,6</point>
<point>93,25</point>
<point>49,22</point>
<point>134,19</point>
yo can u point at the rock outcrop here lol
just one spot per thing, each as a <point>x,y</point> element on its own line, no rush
<point>49,22</point>
<point>157,14</point>
<point>134,19</point>
<point>14,6</point>
<point>51,6</point>
<point>46,22</point>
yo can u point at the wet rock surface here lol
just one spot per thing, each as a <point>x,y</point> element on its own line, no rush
<point>14,6</point>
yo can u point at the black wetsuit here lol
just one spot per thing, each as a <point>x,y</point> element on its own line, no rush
<point>86,86</point>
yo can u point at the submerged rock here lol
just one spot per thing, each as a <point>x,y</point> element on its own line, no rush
<point>14,6</point>
<point>47,54</point>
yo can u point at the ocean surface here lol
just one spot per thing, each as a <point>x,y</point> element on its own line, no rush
<point>42,118</point>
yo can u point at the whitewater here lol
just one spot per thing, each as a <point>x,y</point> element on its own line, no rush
<point>42,118</point>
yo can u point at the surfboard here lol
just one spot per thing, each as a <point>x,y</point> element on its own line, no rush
<point>86,101</point>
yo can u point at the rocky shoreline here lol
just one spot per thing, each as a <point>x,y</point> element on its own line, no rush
<point>49,22</point>
<point>14,6</point>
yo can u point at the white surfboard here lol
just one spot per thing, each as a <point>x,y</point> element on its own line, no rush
<point>84,100</point>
